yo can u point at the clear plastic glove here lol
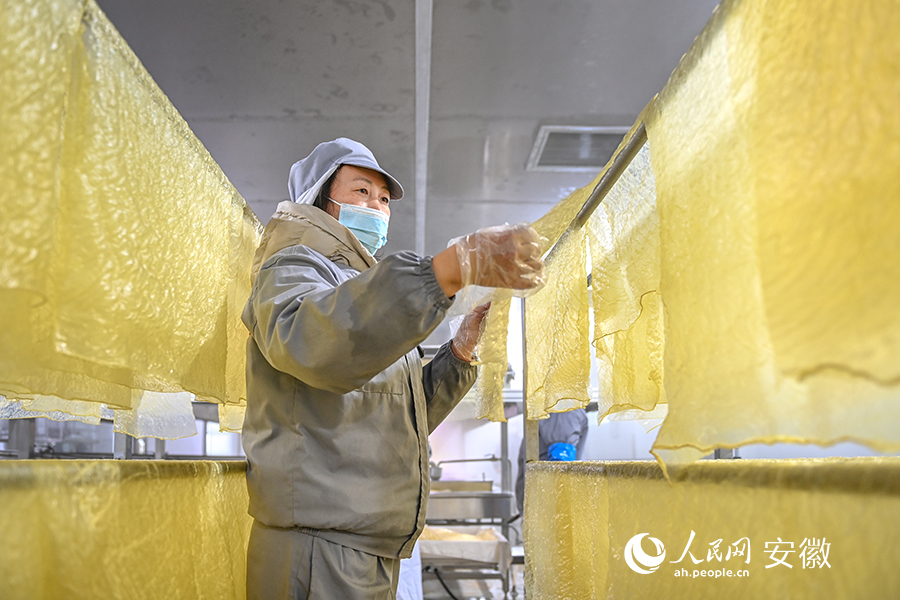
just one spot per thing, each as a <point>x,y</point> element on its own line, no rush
<point>465,341</point>
<point>505,256</point>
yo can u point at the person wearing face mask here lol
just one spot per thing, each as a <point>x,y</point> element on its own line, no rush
<point>339,404</point>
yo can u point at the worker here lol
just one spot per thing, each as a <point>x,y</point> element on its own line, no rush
<point>561,436</point>
<point>339,405</point>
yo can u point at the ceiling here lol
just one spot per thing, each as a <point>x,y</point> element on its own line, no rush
<point>261,83</point>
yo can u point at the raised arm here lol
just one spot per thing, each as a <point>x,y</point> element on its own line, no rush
<point>337,336</point>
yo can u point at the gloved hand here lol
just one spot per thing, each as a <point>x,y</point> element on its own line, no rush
<point>505,256</point>
<point>466,339</point>
<point>561,451</point>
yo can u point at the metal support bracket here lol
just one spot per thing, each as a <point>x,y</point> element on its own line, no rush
<point>532,447</point>
<point>21,437</point>
<point>159,449</point>
<point>123,446</point>
<point>726,453</point>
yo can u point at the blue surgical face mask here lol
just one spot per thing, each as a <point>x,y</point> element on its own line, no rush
<point>370,226</point>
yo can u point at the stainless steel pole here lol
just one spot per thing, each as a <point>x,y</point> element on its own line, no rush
<point>532,449</point>
<point>603,187</point>
<point>609,179</point>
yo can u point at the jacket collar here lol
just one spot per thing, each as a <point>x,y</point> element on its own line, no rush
<point>302,224</point>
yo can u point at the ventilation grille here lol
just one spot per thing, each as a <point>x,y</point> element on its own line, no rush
<point>567,148</point>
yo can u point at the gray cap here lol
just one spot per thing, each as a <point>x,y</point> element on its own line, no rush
<point>308,175</point>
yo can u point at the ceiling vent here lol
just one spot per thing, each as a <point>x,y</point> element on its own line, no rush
<point>569,148</point>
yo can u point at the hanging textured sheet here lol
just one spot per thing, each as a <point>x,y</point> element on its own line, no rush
<point>567,389</point>
<point>557,319</point>
<point>775,150</point>
<point>124,250</point>
<point>628,319</point>
<point>557,325</point>
<point>772,244</point>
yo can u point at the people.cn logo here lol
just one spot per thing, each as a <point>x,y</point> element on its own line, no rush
<point>640,561</point>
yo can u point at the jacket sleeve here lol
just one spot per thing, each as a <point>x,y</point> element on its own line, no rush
<point>337,336</point>
<point>446,380</point>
